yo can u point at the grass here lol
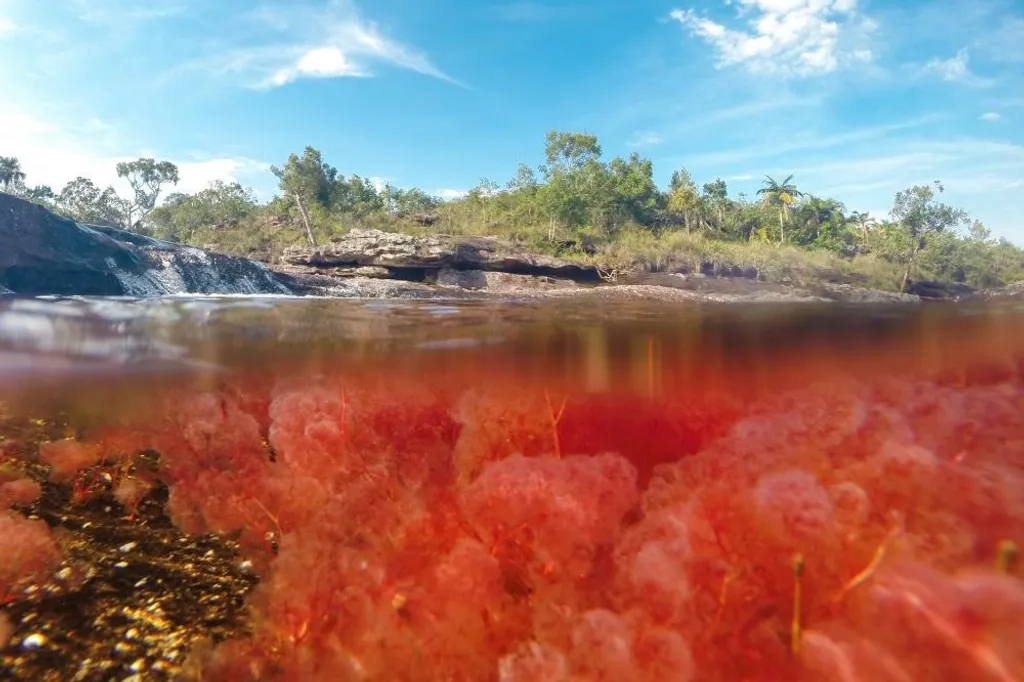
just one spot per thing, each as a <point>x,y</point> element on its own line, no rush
<point>636,250</point>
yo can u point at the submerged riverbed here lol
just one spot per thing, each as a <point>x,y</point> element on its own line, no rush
<point>312,489</point>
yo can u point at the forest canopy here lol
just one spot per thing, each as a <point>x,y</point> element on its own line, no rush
<point>575,204</point>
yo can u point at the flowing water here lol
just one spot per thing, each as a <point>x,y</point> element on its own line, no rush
<point>277,488</point>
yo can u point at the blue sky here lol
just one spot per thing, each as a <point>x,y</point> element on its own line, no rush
<point>856,98</point>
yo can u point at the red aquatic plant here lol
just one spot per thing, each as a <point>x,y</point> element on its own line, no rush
<point>856,529</point>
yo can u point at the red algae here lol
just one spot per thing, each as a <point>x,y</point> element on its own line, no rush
<point>838,514</point>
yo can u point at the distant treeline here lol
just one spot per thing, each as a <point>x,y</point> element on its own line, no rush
<point>576,205</point>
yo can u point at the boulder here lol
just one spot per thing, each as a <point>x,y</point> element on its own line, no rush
<point>938,290</point>
<point>403,252</point>
<point>43,253</point>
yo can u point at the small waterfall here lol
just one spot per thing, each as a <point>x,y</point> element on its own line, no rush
<point>43,253</point>
<point>178,269</point>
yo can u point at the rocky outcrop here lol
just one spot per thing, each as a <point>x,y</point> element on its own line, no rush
<point>939,290</point>
<point>420,258</point>
<point>1013,292</point>
<point>43,253</point>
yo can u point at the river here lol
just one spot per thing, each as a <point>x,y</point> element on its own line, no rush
<point>282,488</point>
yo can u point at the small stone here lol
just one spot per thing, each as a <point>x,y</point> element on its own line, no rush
<point>34,641</point>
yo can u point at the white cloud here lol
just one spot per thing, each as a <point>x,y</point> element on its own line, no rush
<point>378,182</point>
<point>990,116</point>
<point>53,155</point>
<point>315,42</point>
<point>787,37</point>
<point>956,69</point>
<point>321,62</point>
<point>644,139</point>
<point>6,26</point>
<point>450,193</point>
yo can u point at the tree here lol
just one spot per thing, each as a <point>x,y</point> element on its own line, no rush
<point>41,194</point>
<point>919,217</point>
<point>569,152</point>
<point>406,202</point>
<point>523,192</point>
<point>716,197</point>
<point>780,196</point>
<point>822,222</point>
<point>221,205</point>
<point>525,179</point>
<point>11,174</point>
<point>633,188</point>
<point>573,169</point>
<point>355,195</point>
<point>864,221</point>
<point>146,178</point>
<point>683,199</point>
<point>83,201</point>
<point>307,179</point>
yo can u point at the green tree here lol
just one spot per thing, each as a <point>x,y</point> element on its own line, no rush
<point>569,152</point>
<point>407,202</point>
<point>572,173</point>
<point>683,199</point>
<point>355,195</point>
<point>780,196</point>
<point>84,202</point>
<point>307,179</point>
<point>523,192</point>
<point>715,196</point>
<point>865,223</point>
<point>11,174</point>
<point>146,177</point>
<point>820,222</point>
<point>220,206</point>
<point>918,217</point>
<point>41,194</point>
<point>633,188</point>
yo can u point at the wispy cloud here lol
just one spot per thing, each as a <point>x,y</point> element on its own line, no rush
<point>127,12</point>
<point>798,38</point>
<point>979,174</point>
<point>1006,42</point>
<point>6,26</point>
<point>956,69</point>
<point>990,116</point>
<point>644,139</point>
<point>807,142</point>
<point>308,41</point>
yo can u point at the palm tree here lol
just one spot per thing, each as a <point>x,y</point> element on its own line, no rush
<point>865,222</point>
<point>11,174</point>
<point>780,195</point>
